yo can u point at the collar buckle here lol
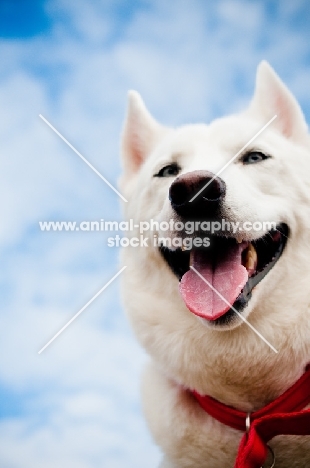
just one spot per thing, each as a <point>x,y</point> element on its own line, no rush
<point>247,423</point>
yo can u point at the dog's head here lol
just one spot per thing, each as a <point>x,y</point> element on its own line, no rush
<point>248,180</point>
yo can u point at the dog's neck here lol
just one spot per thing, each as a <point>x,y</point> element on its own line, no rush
<point>284,415</point>
<point>294,399</point>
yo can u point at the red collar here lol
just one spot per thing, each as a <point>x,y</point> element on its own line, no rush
<point>284,416</point>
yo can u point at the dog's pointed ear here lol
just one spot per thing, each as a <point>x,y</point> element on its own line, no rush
<point>272,97</point>
<point>140,134</point>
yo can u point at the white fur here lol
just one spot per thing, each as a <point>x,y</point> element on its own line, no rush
<point>234,366</point>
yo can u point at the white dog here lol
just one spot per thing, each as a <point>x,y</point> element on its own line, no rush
<point>223,314</point>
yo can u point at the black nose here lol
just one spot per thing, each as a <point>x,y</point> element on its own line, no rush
<point>197,194</point>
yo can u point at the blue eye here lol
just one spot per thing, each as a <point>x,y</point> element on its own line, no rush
<point>254,157</point>
<point>169,171</point>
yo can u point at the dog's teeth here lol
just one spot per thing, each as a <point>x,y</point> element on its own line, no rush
<point>191,258</point>
<point>251,259</point>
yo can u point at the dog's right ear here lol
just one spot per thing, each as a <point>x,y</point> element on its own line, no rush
<point>273,97</point>
<point>140,134</point>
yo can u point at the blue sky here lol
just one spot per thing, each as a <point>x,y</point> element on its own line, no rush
<point>77,404</point>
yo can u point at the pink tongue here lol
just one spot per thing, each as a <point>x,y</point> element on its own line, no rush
<point>228,278</point>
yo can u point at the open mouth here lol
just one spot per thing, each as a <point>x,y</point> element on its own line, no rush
<point>233,269</point>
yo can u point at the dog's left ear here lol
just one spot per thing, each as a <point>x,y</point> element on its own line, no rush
<point>273,97</point>
<point>140,134</point>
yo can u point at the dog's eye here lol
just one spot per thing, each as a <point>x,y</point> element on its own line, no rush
<point>254,157</point>
<point>169,171</point>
